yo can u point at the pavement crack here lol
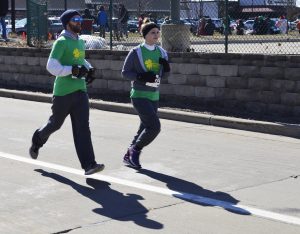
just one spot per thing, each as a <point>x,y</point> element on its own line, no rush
<point>67,230</point>
<point>270,182</point>
<point>118,218</point>
<point>170,205</point>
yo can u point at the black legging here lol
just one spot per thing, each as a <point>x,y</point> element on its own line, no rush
<point>150,125</point>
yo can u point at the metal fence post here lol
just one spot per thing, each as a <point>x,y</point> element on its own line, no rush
<point>28,20</point>
<point>37,26</point>
<point>66,5</point>
<point>13,15</point>
<point>175,11</point>
<point>175,36</point>
<point>110,22</point>
<point>227,25</point>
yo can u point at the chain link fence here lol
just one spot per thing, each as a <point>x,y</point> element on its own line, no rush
<point>215,26</point>
<point>36,22</point>
<point>247,26</point>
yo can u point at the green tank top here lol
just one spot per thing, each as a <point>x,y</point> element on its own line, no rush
<point>150,59</point>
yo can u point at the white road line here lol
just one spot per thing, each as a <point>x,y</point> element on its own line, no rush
<point>242,209</point>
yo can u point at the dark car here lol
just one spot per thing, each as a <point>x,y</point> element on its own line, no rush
<point>192,23</point>
<point>54,26</point>
<point>132,25</point>
<point>218,24</point>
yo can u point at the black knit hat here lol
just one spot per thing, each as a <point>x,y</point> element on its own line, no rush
<point>147,27</point>
<point>67,15</point>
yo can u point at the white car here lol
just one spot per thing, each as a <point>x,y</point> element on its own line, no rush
<point>20,26</point>
<point>249,24</point>
<point>293,25</point>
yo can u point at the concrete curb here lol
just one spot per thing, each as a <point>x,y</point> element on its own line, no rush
<point>290,130</point>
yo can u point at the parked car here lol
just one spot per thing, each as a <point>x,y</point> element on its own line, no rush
<point>54,26</point>
<point>20,26</point>
<point>262,27</point>
<point>160,22</point>
<point>275,29</point>
<point>293,25</point>
<point>192,27</point>
<point>132,25</point>
<point>248,24</point>
<point>218,24</point>
<point>193,23</point>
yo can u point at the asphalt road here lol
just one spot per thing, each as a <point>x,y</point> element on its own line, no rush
<point>195,179</point>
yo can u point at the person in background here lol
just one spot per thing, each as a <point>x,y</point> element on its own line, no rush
<point>255,25</point>
<point>282,24</point>
<point>146,20</point>
<point>201,27</point>
<point>67,62</point>
<point>268,25</point>
<point>123,17</point>
<point>140,22</point>
<point>209,28</point>
<point>227,27</point>
<point>3,13</point>
<point>240,28</point>
<point>116,29</point>
<point>102,21</point>
<point>145,66</point>
<point>298,26</point>
<point>87,23</point>
<point>152,18</point>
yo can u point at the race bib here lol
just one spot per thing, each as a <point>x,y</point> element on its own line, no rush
<point>156,83</point>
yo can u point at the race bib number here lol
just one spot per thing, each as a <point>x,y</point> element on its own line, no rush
<point>155,84</point>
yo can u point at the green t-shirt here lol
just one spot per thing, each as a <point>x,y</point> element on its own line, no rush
<point>68,52</point>
<point>151,63</point>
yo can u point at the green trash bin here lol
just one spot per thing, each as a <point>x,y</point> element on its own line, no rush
<point>37,23</point>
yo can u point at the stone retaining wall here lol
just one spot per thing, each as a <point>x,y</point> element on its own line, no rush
<point>263,84</point>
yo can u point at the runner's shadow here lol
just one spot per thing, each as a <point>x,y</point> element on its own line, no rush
<point>115,205</point>
<point>194,193</point>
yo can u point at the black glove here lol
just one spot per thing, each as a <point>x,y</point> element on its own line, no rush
<point>79,71</point>
<point>147,77</point>
<point>165,64</point>
<point>90,76</point>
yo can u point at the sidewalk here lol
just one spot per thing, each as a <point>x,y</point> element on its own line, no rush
<point>289,130</point>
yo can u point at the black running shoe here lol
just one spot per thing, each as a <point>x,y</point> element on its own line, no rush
<point>34,151</point>
<point>126,157</point>
<point>94,169</point>
<point>132,158</point>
